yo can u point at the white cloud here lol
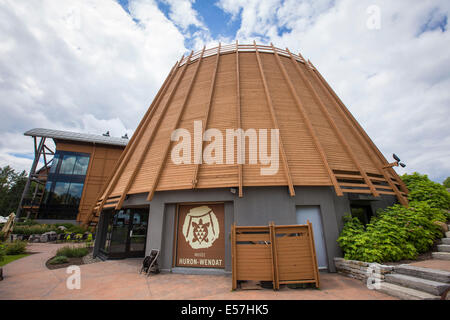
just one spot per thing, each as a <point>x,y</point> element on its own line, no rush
<point>82,66</point>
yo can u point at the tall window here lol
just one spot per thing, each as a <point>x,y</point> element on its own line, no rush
<point>64,185</point>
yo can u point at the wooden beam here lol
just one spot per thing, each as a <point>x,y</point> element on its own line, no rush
<point>126,154</point>
<point>364,144</point>
<point>312,247</point>
<point>238,113</point>
<point>361,131</point>
<point>336,129</point>
<point>305,116</point>
<point>166,152</point>
<point>206,116</point>
<point>275,122</point>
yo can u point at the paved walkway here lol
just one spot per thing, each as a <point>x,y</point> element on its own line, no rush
<point>29,278</point>
<point>433,264</point>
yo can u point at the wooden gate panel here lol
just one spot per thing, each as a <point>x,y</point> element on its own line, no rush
<point>281,254</point>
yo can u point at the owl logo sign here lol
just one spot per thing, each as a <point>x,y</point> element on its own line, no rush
<point>201,227</point>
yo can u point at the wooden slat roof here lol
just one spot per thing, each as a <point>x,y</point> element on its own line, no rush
<point>258,87</point>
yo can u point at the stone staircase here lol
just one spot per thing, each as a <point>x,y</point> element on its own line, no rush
<point>443,248</point>
<point>416,283</point>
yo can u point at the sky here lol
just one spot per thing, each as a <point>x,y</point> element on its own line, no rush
<point>93,66</point>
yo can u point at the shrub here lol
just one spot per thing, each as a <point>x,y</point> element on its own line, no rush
<point>72,252</point>
<point>421,188</point>
<point>397,232</point>
<point>59,260</point>
<point>2,236</point>
<point>2,251</point>
<point>16,247</point>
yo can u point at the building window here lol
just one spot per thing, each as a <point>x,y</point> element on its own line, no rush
<point>64,186</point>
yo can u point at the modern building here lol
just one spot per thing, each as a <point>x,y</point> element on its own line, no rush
<point>71,175</point>
<point>183,200</point>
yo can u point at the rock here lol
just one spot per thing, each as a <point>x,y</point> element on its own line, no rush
<point>62,228</point>
<point>51,235</point>
<point>35,238</point>
<point>442,225</point>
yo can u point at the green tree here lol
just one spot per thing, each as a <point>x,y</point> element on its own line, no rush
<point>12,184</point>
<point>446,182</point>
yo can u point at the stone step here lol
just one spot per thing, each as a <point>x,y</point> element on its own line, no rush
<point>432,287</point>
<point>443,247</point>
<point>445,240</point>
<point>405,293</point>
<point>447,234</point>
<point>424,273</point>
<point>441,255</point>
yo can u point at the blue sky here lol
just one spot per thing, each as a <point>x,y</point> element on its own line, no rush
<point>95,66</point>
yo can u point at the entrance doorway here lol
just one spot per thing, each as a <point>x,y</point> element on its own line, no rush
<point>312,213</point>
<point>126,233</point>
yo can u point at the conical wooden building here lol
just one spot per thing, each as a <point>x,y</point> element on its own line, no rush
<point>326,161</point>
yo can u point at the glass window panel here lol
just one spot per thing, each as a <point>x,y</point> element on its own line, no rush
<point>67,165</point>
<point>81,165</point>
<point>74,194</point>
<point>48,187</point>
<point>60,192</point>
<point>54,163</point>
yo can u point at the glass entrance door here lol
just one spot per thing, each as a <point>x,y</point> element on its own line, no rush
<point>138,233</point>
<point>126,233</point>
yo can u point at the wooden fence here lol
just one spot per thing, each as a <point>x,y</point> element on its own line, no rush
<point>281,254</point>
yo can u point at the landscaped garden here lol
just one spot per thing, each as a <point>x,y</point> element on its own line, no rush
<point>68,255</point>
<point>23,233</point>
<point>399,233</point>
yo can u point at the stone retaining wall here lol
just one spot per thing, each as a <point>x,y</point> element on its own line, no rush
<point>358,269</point>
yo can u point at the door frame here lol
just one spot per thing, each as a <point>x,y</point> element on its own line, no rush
<point>126,253</point>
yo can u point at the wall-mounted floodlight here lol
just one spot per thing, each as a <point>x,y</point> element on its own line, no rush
<point>396,163</point>
<point>106,134</point>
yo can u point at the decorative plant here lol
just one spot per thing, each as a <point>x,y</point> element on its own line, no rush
<point>397,232</point>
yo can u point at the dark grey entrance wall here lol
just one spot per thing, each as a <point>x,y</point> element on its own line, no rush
<point>259,206</point>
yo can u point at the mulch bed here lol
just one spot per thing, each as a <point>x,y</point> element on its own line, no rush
<point>71,262</point>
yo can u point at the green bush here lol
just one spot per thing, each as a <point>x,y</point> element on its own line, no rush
<point>29,228</point>
<point>2,251</point>
<point>2,236</point>
<point>28,222</point>
<point>421,188</point>
<point>72,252</point>
<point>59,260</point>
<point>16,247</point>
<point>397,232</point>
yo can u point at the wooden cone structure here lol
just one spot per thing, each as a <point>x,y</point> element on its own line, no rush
<point>251,87</point>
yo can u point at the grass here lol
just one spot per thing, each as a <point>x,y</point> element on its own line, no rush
<point>72,252</point>
<point>59,260</point>
<point>10,258</point>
